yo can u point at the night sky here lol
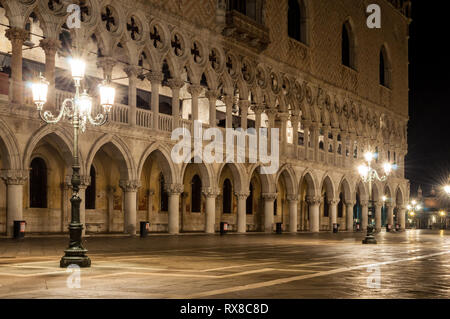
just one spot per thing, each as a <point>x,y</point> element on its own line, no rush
<point>428,159</point>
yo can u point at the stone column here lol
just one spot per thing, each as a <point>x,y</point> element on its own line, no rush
<point>150,195</point>
<point>241,212</point>
<point>326,141</point>
<point>390,214</point>
<point>50,46</point>
<point>243,106</point>
<point>110,197</point>
<point>349,214</point>
<point>194,90</point>
<point>176,85</point>
<point>333,211</point>
<point>283,118</point>
<point>315,140</point>
<point>378,207</point>
<point>132,73</point>
<point>130,189</point>
<point>174,191</point>
<point>269,199</point>
<point>293,201</point>
<point>402,217</point>
<point>17,36</point>
<point>107,63</point>
<point>14,179</point>
<point>295,119</point>
<point>306,126</point>
<point>210,222</point>
<point>364,214</point>
<point>155,79</point>
<point>335,133</point>
<point>314,214</point>
<point>212,95</point>
<point>228,100</point>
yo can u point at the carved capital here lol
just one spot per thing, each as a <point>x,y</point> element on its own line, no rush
<point>258,108</point>
<point>132,71</point>
<point>228,100</point>
<point>333,202</point>
<point>129,185</point>
<point>244,104</point>
<point>155,77</point>
<point>173,189</point>
<point>269,196</point>
<point>283,116</point>
<point>271,112</point>
<point>14,177</point>
<point>15,34</point>
<point>195,89</point>
<point>292,198</point>
<point>350,203</point>
<point>50,46</point>
<point>175,84</point>
<point>241,196</point>
<point>364,203</point>
<point>313,200</point>
<point>210,192</point>
<point>107,64</point>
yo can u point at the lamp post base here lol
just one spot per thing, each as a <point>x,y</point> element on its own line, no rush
<point>75,257</point>
<point>369,240</point>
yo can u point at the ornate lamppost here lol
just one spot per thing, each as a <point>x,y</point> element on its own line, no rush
<point>413,208</point>
<point>368,175</point>
<point>78,112</point>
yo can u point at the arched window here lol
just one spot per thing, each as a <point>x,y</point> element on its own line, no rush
<point>196,194</point>
<point>226,192</point>
<point>38,183</point>
<point>90,191</point>
<point>249,202</point>
<point>348,46</point>
<point>385,72</point>
<point>164,204</point>
<point>341,205</point>
<point>297,26</point>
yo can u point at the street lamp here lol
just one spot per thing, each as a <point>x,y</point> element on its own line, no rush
<point>412,208</point>
<point>368,175</point>
<point>447,189</point>
<point>78,112</point>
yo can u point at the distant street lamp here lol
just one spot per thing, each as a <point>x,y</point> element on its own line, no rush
<point>78,112</point>
<point>413,208</point>
<point>443,215</point>
<point>369,175</point>
<point>447,189</point>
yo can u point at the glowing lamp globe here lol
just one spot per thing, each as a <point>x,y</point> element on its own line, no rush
<point>107,95</point>
<point>78,67</point>
<point>40,89</point>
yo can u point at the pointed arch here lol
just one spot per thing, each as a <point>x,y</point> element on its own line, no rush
<point>348,44</point>
<point>239,176</point>
<point>311,181</point>
<point>327,182</point>
<point>205,170</point>
<point>162,154</point>
<point>385,67</point>
<point>288,174</point>
<point>9,147</point>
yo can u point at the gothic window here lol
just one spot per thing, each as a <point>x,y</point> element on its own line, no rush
<point>164,200</point>
<point>90,190</point>
<point>297,26</point>
<point>38,183</point>
<point>348,46</point>
<point>249,202</point>
<point>321,145</point>
<point>385,72</point>
<point>196,194</point>
<point>226,192</point>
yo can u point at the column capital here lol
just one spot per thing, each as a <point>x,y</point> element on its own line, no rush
<point>129,185</point>
<point>378,204</point>
<point>350,202</point>
<point>194,89</point>
<point>271,112</point>
<point>228,100</point>
<point>295,119</point>
<point>14,177</point>
<point>210,192</point>
<point>50,46</point>
<point>155,77</point>
<point>241,195</point>
<point>212,94</point>
<point>15,33</point>
<point>333,202</point>
<point>107,63</point>
<point>283,116</point>
<point>313,200</point>
<point>364,202</point>
<point>132,70</point>
<point>174,189</point>
<point>175,84</point>
<point>292,198</point>
<point>269,196</point>
<point>244,104</point>
<point>258,108</point>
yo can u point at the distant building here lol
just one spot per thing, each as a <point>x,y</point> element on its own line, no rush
<point>434,212</point>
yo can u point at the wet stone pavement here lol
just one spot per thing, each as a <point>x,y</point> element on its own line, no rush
<point>411,264</point>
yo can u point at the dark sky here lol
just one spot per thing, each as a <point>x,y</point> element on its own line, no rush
<point>428,159</point>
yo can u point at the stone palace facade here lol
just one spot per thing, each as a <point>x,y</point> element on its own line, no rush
<point>312,68</point>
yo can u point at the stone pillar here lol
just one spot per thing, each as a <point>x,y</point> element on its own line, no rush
<point>155,79</point>
<point>228,100</point>
<point>243,106</point>
<point>364,214</point>
<point>130,189</point>
<point>306,126</point>
<point>349,214</point>
<point>14,179</point>
<point>271,114</point>
<point>269,199</point>
<point>283,118</point>
<point>315,140</point>
<point>50,46</point>
<point>326,141</point>
<point>293,201</point>
<point>212,95</point>
<point>333,211</point>
<point>314,214</point>
<point>402,217</point>
<point>110,197</point>
<point>17,36</point>
<point>194,90</point>
<point>390,214</point>
<point>295,119</point>
<point>378,207</point>
<point>335,133</point>
<point>174,191</point>
<point>150,195</point>
<point>241,212</point>
<point>132,73</point>
<point>107,63</point>
<point>210,210</point>
<point>176,85</point>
